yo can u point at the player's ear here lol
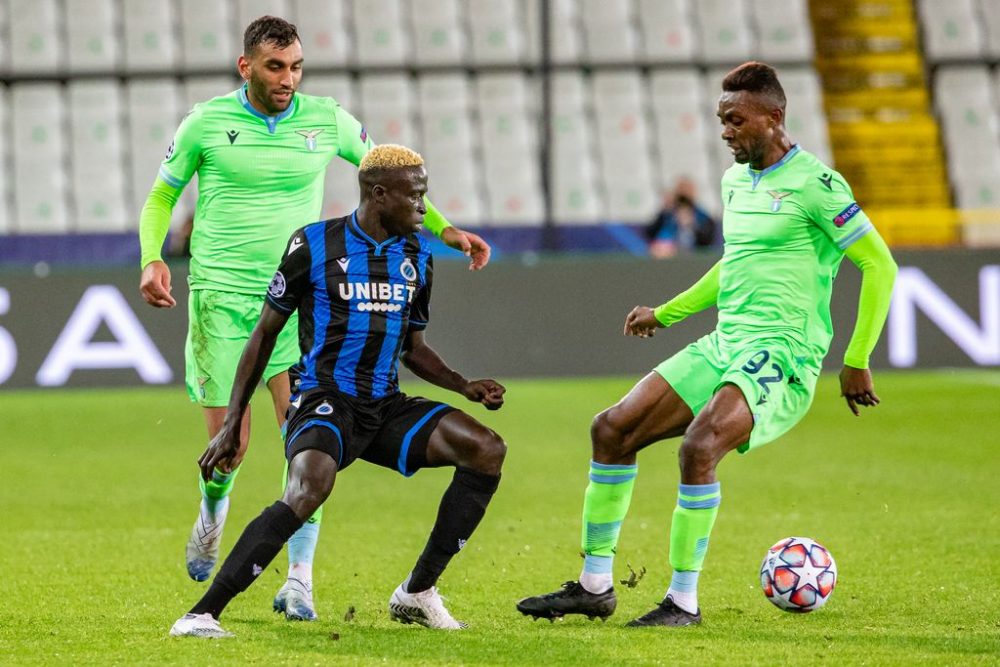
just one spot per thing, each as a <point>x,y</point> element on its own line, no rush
<point>378,192</point>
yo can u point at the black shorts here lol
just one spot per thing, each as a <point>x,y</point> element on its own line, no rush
<point>391,432</point>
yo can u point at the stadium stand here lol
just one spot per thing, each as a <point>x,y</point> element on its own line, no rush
<point>5,168</point>
<point>39,145</point>
<point>898,94</point>
<point>96,140</point>
<point>90,45</point>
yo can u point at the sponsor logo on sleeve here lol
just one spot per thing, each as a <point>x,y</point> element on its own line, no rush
<point>170,151</point>
<point>845,216</point>
<point>364,134</point>
<point>294,245</point>
<point>277,286</point>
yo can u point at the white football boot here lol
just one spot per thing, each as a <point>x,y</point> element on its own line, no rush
<point>425,608</point>
<point>198,625</point>
<point>295,601</point>
<point>203,546</point>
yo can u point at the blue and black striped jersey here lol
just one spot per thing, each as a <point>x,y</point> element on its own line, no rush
<point>356,300</point>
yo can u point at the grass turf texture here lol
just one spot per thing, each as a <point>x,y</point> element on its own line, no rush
<point>99,494</point>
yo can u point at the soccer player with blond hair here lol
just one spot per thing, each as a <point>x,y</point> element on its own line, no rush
<point>361,285</point>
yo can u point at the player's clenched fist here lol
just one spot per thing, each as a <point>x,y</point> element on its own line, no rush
<point>488,392</point>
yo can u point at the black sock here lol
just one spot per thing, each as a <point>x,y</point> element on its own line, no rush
<point>462,508</point>
<point>260,542</point>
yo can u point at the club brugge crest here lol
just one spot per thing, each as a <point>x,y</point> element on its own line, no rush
<point>408,270</point>
<point>310,137</point>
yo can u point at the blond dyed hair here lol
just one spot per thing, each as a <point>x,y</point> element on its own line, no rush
<point>390,156</point>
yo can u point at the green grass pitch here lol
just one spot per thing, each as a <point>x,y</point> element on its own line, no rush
<point>98,495</point>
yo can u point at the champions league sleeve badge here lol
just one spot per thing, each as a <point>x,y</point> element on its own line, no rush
<point>277,286</point>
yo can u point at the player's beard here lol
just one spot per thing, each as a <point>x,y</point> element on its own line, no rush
<point>266,97</point>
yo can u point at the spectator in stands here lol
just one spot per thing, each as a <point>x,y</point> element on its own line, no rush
<point>681,225</point>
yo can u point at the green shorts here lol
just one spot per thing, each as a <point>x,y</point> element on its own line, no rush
<point>777,381</point>
<point>219,326</point>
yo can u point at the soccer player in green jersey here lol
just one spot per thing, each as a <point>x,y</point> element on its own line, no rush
<point>260,153</point>
<point>788,222</point>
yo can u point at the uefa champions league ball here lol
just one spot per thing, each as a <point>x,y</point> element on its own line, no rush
<point>798,574</point>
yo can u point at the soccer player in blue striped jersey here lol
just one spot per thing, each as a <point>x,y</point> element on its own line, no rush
<point>361,286</point>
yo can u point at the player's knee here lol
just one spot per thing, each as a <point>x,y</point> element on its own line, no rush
<point>306,495</point>
<point>491,451</point>
<point>606,437</point>
<point>701,449</point>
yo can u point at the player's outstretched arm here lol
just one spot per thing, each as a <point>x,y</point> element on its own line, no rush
<point>225,445</point>
<point>154,222</point>
<point>643,321</point>
<point>878,274</point>
<point>471,245</point>
<point>428,365</point>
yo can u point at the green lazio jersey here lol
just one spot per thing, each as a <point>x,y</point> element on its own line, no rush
<point>259,179</point>
<point>785,228</point>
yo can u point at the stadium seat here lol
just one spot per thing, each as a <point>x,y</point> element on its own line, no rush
<point>719,156</point>
<point>509,150</point>
<point>35,45</point>
<point>323,30</point>
<point>784,32</point>
<point>338,86</point>
<point>6,219</point>
<point>805,118</point>
<point>989,16</point>
<point>575,194</point>
<point>208,35</point>
<point>92,36</point>
<point>341,179</point>
<point>248,10</point>
<point>378,33</point>
<point>39,143</point>
<point>150,45</point>
<point>623,144</point>
<point>4,50</point>
<point>202,88</point>
<point>438,36</point>
<point>667,33</point>
<point>724,31</point>
<point>565,22</point>
<point>154,110</point>
<point>608,31</point>
<point>97,178</point>
<point>496,33</point>
<point>683,131</point>
<point>951,30</point>
<point>447,147</point>
<point>966,103</point>
<point>387,108</point>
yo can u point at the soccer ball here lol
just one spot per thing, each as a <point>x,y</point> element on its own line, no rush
<point>798,574</point>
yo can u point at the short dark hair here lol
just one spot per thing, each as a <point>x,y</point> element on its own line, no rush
<point>268,29</point>
<point>755,77</point>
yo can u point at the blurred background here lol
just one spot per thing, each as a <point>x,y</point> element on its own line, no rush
<point>578,136</point>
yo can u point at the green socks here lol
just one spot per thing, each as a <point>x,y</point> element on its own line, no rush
<point>605,505</point>
<point>214,491</point>
<point>694,516</point>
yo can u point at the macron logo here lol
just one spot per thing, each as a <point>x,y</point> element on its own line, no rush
<point>343,262</point>
<point>295,245</point>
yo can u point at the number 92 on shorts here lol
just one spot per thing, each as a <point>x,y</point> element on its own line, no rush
<point>777,382</point>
